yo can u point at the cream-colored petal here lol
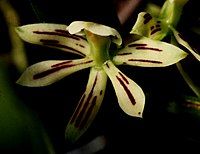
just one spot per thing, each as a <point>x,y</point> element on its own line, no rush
<point>149,53</point>
<point>149,26</point>
<point>77,27</point>
<point>47,72</point>
<point>184,43</point>
<point>55,36</point>
<point>130,96</point>
<point>88,106</point>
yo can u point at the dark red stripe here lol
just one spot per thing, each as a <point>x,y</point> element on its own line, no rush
<point>80,45</point>
<point>123,54</point>
<point>137,45</point>
<point>48,72</point>
<point>157,26</point>
<point>62,63</point>
<point>55,69</point>
<point>88,113</point>
<point>147,18</point>
<point>80,117</point>
<point>155,31</point>
<point>148,48</point>
<point>101,92</point>
<point>53,43</point>
<point>58,34</point>
<point>67,33</point>
<point>124,78</point>
<point>146,61</point>
<point>130,96</point>
<point>107,65</point>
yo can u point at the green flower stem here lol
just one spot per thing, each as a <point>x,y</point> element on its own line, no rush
<point>172,10</point>
<point>188,80</point>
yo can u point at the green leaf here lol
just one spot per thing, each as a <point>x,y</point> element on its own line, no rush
<point>20,128</point>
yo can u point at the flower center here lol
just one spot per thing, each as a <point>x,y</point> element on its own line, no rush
<point>99,47</point>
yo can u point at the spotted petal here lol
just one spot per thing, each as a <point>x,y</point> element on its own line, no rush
<point>149,53</point>
<point>77,27</point>
<point>55,36</point>
<point>47,72</point>
<point>184,43</point>
<point>149,26</point>
<point>130,96</point>
<point>88,106</point>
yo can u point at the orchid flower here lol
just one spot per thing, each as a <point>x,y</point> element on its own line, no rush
<point>92,42</point>
<point>157,27</point>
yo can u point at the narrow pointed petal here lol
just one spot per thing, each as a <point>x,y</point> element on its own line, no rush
<point>186,76</point>
<point>88,106</point>
<point>130,96</point>
<point>149,26</point>
<point>77,27</point>
<point>47,72</point>
<point>184,43</point>
<point>55,36</point>
<point>149,53</point>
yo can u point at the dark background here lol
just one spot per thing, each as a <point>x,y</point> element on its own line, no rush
<point>158,131</point>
